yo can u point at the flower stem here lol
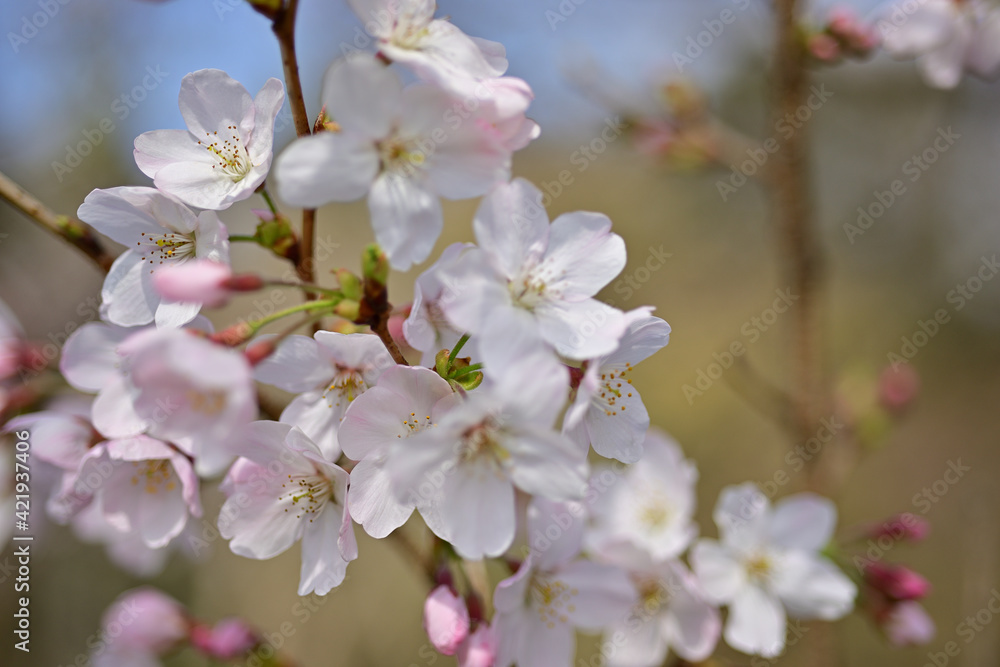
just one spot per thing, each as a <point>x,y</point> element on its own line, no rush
<point>307,306</point>
<point>74,232</point>
<point>306,287</point>
<point>455,350</point>
<point>461,372</point>
<point>270,202</point>
<point>244,238</point>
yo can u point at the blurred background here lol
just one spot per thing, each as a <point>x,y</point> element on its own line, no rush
<point>121,62</point>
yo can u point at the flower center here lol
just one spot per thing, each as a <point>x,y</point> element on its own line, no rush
<point>614,392</point>
<point>306,495</point>
<point>655,514</point>
<point>759,567</point>
<point>154,475</point>
<point>401,155</point>
<point>411,26</point>
<point>536,284</point>
<point>552,599</point>
<point>231,157</point>
<point>481,442</point>
<point>346,385</point>
<point>208,403</point>
<point>168,247</point>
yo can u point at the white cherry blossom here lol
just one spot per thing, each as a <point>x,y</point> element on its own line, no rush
<point>396,146</point>
<point>157,230</point>
<point>768,564</point>
<point>282,490</point>
<point>225,153</point>
<point>328,371</point>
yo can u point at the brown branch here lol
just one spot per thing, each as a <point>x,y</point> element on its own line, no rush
<point>70,230</point>
<point>284,29</point>
<point>800,251</point>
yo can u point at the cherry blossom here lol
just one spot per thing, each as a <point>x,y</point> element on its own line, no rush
<point>768,563</point>
<point>157,230</point>
<point>552,271</point>
<point>465,469</point>
<point>426,328</point>
<point>436,50</point>
<point>479,649</point>
<point>328,371</point>
<point>141,626</point>
<point>406,402</point>
<point>151,488</point>
<point>190,392</point>
<point>650,505</point>
<point>946,37</point>
<point>394,145</point>
<point>608,412</point>
<point>268,510</point>
<point>225,153</point>
<point>672,613</point>
<point>553,593</point>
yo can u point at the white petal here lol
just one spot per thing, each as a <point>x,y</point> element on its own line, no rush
<point>159,148</point>
<point>511,225</point>
<point>130,300</point>
<point>584,252</point>
<point>267,104</point>
<point>555,531</point>
<point>742,515</point>
<point>813,587</point>
<point>210,99</point>
<point>89,360</point>
<point>113,411</point>
<point>372,500</point>
<point>323,565</point>
<point>605,593</point>
<point>803,521</point>
<point>719,572</point>
<point>756,623</point>
<point>326,167</point>
<point>312,413</point>
<point>296,366</point>
<point>406,217</point>
<point>478,510</point>
<point>362,95</point>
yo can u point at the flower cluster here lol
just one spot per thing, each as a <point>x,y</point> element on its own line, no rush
<point>521,436</point>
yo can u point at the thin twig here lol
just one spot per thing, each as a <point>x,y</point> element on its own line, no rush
<point>74,232</point>
<point>284,29</point>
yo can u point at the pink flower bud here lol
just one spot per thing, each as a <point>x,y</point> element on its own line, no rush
<point>907,624</point>
<point>898,386</point>
<point>479,650</point>
<point>198,281</point>
<point>144,620</point>
<point>897,582</point>
<point>258,352</point>
<point>909,527</point>
<point>396,328</point>
<point>824,47</point>
<point>230,639</point>
<point>446,620</point>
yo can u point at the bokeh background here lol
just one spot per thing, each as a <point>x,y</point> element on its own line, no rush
<point>69,75</point>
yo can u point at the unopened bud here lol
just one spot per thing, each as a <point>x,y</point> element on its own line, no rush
<point>350,284</point>
<point>349,309</point>
<point>234,335</point>
<point>375,264</point>
<point>244,282</point>
<point>259,351</point>
<point>896,582</point>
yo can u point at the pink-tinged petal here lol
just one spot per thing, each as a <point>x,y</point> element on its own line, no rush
<point>363,352</point>
<point>197,281</point>
<point>803,521</point>
<point>323,565</point>
<point>983,56</point>
<point>312,413</point>
<point>605,593</point>
<point>114,413</point>
<point>57,438</point>
<point>584,253</point>
<point>555,531</point>
<point>812,587</point>
<point>159,148</point>
<point>212,238</point>
<point>446,620</point>
<point>253,519</point>
<point>742,515</point>
<point>447,57</point>
<point>375,419</point>
<point>756,623</point>
<point>908,624</point>
<point>511,593</point>
<point>326,167</point>
<point>296,366</point>
<point>480,650</point>
<point>210,100</point>
<point>544,646</point>
<point>372,500</point>
<point>494,53</point>
<point>128,296</point>
<point>720,573</point>
<point>511,225</point>
<point>546,463</point>
<point>582,329</point>
<point>174,315</point>
<point>406,218</point>
<point>645,336</point>
<point>476,293</point>
<point>363,95</point>
<point>267,104</point>
<point>692,625</point>
<point>468,164</point>
<point>478,510</point>
<point>89,360</point>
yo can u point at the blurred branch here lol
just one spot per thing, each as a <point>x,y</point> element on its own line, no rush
<point>70,230</point>
<point>283,25</point>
